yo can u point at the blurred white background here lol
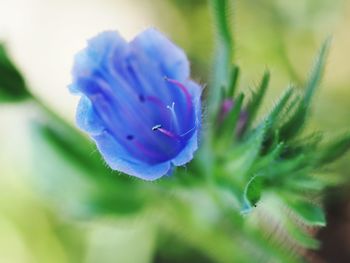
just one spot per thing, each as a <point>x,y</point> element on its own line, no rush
<point>44,35</point>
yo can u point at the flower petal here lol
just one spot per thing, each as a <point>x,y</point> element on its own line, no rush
<point>87,119</point>
<point>99,50</point>
<point>119,159</point>
<point>196,91</point>
<point>186,154</point>
<point>172,60</point>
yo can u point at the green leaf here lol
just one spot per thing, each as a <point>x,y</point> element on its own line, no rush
<point>297,120</point>
<point>241,158</point>
<point>253,191</point>
<point>317,72</point>
<point>274,118</point>
<point>276,112</point>
<point>256,100</point>
<point>304,146</point>
<point>334,150</point>
<point>305,184</point>
<point>233,81</point>
<point>269,157</point>
<point>309,213</point>
<point>108,192</point>
<point>12,84</point>
<point>72,146</point>
<point>69,141</point>
<point>119,198</point>
<point>222,15</point>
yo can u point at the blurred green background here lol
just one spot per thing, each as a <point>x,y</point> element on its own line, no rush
<point>43,35</point>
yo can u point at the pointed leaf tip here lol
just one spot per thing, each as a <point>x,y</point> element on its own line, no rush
<point>311,214</point>
<point>233,81</point>
<point>12,84</point>
<point>334,149</point>
<point>317,71</point>
<point>253,191</point>
<point>257,99</point>
<point>296,122</point>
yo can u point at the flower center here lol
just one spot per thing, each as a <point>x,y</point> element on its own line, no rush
<point>161,129</point>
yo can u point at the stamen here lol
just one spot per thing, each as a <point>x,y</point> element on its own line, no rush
<point>183,89</point>
<point>156,127</point>
<point>173,114</point>
<point>159,128</point>
<point>185,133</point>
<point>171,107</point>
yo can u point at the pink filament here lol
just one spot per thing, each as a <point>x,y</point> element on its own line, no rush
<point>166,132</point>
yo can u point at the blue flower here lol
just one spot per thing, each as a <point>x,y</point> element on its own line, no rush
<point>137,102</point>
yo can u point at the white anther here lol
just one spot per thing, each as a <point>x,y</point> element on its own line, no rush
<point>156,127</point>
<point>172,107</point>
<point>174,117</point>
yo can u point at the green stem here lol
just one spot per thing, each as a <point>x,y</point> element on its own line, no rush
<point>221,12</point>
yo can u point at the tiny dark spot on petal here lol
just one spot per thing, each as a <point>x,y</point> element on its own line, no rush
<point>142,98</point>
<point>130,137</point>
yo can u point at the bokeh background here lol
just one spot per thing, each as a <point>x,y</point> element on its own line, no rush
<point>42,37</point>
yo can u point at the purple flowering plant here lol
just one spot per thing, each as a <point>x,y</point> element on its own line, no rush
<point>212,160</point>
